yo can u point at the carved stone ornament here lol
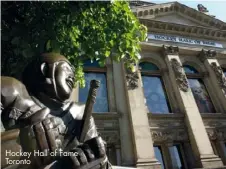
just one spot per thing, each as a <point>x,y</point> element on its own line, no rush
<point>219,134</point>
<point>212,134</point>
<point>220,75</point>
<point>180,76</point>
<point>132,79</point>
<point>170,50</point>
<point>169,135</point>
<point>207,54</point>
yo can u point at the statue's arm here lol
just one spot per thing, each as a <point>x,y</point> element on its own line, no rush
<point>93,142</point>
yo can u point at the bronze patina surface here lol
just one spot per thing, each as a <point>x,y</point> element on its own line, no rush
<point>38,115</point>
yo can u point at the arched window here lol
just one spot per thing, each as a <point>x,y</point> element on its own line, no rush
<point>154,91</point>
<point>94,71</point>
<point>199,91</point>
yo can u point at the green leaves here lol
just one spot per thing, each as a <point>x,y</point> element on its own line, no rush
<point>75,29</point>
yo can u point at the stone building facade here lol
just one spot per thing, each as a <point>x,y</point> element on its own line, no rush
<point>170,113</point>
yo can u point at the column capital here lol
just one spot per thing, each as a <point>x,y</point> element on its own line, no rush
<point>170,50</point>
<point>221,134</point>
<point>179,75</point>
<point>219,75</point>
<point>217,134</point>
<point>212,134</point>
<point>207,54</point>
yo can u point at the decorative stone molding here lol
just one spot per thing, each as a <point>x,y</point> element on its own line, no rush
<point>170,50</point>
<point>214,120</point>
<point>217,134</point>
<point>109,124</point>
<point>179,74</point>
<point>166,121</point>
<point>110,137</point>
<point>152,11</point>
<point>132,79</point>
<point>106,116</point>
<point>212,134</point>
<point>221,134</point>
<point>169,135</point>
<point>220,75</point>
<point>184,30</point>
<point>213,123</point>
<point>207,54</point>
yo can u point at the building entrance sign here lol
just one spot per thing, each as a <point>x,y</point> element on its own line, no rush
<point>184,40</point>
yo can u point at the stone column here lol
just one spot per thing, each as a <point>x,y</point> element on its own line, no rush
<point>142,140</point>
<point>217,77</point>
<point>127,152</point>
<point>198,137</point>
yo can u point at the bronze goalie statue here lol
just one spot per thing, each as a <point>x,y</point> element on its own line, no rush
<point>44,129</point>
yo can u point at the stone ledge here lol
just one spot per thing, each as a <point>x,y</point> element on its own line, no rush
<point>151,163</point>
<point>165,116</point>
<point>214,115</point>
<point>106,115</point>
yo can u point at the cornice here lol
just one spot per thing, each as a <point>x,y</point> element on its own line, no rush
<point>183,50</point>
<point>192,14</point>
<point>185,30</point>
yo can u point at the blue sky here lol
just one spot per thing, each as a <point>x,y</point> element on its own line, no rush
<point>217,8</point>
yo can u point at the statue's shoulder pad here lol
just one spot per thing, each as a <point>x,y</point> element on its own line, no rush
<point>11,86</point>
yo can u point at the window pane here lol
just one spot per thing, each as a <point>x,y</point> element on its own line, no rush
<point>154,93</point>
<point>158,155</point>
<point>176,157</point>
<point>101,104</point>
<point>224,70</point>
<point>189,69</point>
<point>148,66</point>
<point>201,96</point>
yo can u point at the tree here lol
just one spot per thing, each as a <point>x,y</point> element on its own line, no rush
<point>78,30</point>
